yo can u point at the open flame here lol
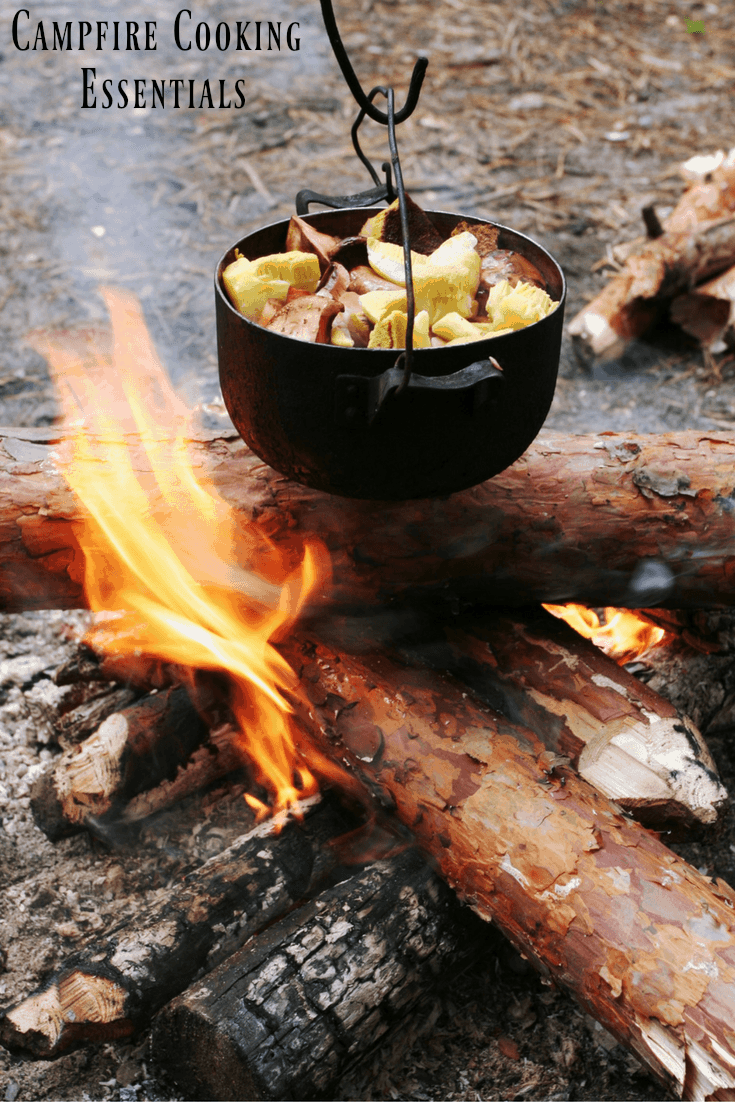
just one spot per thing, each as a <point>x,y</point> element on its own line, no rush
<point>163,546</point>
<point>621,633</point>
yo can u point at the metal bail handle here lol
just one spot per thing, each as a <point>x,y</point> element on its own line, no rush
<point>389,118</point>
<point>359,398</point>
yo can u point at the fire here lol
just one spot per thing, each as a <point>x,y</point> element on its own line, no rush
<point>621,634</point>
<point>163,546</point>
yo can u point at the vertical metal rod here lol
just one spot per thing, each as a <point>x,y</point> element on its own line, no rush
<point>407,356</point>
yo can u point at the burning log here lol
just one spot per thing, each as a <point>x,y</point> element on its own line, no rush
<point>623,738</point>
<point>115,984</point>
<point>287,1014</point>
<point>642,940</point>
<point>132,751</point>
<point>653,272</point>
<point>608,519</point>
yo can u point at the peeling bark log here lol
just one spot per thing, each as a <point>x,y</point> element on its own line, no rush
<point>115,984</point>
<point>653,272</point>
<point>609,519</point>
<point>288,1014</point>
<point>132,751</point>
<point>625,739</point>
<point>641,939</point>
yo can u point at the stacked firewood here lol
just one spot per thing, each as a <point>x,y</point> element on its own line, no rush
<point>685,269</point>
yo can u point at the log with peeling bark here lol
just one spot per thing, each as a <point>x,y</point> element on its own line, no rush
<point>642,940</point>
<point>133,751</point>
<point>608,519</point>
<point>116,983</point>
<point>625,739</point>
<point>286,1015</point>
<point>653,272</point>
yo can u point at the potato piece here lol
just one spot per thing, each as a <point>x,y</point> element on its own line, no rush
<point>516,307</point>
<point>248,291</point>
<point>390,332</point>
<point>453,327</point>
<point>386,259</point>
<point>376,304</point>
<point>300,269</point>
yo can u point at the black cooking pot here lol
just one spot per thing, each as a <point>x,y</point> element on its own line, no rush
<point>309,410</point>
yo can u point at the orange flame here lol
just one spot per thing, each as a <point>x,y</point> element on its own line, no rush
<point>159,543</point>
<point>623,635</point>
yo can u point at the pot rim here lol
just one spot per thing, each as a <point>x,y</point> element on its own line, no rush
<point>486,342</point>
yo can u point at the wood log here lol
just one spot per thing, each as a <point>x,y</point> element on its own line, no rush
<point>77,724</point>
<point>290,1012</point>
<point>608,519</point>
<point>623,738</point>
<point>132,751</point>
<point>643,941</point>
<point>652,273</point>
<point>116,983</point>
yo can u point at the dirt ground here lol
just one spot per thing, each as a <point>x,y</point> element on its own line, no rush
<point>560,119</point>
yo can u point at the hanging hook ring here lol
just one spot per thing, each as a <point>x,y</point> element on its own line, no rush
<point>373,112</point>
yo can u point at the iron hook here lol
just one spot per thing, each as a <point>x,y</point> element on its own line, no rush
<point>373,112</point>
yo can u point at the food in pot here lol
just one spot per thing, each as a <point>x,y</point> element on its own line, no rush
<point>351,293</point>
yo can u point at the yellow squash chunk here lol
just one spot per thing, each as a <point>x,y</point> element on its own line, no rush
<point>453,327</point>
<point>299,269</point>
<point>390,331</point>
<point>386,259</point>
<point>376,304</point>
<point>517,307</point>
<point>248,292</point>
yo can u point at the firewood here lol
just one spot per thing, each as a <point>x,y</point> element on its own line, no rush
<point>642,940</point>
<point>708,311</point>
<point>654,272</point>
<point>79,723</point>
<point>625,739</point>
<point>608,519</point>
<point>114,984</point>
<point>133,750</point>
<point>286,1015</point>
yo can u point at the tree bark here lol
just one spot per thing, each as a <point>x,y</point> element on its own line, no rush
<point>653,273</point>
<point>625,739</point>
<point>608,519</point>
<point>642,940</point>
<point>286,1015</point>
<point>115,984</point>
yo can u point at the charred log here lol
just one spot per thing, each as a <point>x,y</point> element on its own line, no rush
<point>116,983</point>
<point>608,519</point>
<point>288,1014</point>
<point>641,939</point>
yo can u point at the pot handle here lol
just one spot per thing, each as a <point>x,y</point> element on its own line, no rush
<point>360,397</point>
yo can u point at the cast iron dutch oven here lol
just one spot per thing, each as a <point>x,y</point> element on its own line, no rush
<point>309,410</point>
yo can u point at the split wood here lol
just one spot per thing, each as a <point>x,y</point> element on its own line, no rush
<point>607,519</point>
